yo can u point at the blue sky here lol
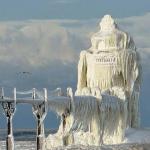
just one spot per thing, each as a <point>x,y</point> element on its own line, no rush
<point>70,9</point>
<point>45,38</point>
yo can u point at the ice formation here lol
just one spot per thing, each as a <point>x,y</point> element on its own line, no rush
<point>107,96</point>
<point>112,61</point>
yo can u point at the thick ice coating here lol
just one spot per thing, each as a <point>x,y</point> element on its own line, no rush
<point>112,61</point>
<point>106,101</point>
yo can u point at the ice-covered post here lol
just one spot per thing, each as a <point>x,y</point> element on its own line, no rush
<point>9,109</point>
<point>68,139</point>
<point>70,94</point>
<point>40,112</point>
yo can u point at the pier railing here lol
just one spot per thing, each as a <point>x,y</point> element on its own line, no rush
<point>39,101</point>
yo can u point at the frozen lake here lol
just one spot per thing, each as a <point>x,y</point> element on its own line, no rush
<point>20,145</point>
<point>134,140</point>
<point>30,145</point>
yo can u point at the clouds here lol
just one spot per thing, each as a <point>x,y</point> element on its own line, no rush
<point>34,44</point>
<point>46,48</point>
<point>39,43</point>
<point>138,27</point>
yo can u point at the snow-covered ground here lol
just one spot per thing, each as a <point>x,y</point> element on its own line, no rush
<point>134,140</point>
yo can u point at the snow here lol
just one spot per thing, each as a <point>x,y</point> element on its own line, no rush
<point>133,138</point>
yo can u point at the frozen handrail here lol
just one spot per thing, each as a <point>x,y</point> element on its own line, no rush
<point>40,102</point>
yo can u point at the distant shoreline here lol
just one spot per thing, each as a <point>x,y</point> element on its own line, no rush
<point>24,134</point>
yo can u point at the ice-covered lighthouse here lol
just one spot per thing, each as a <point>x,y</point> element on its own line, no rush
<point>111,64</point>
<point>106,101</point>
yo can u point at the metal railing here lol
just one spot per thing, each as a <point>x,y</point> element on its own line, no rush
<point>39,104</point>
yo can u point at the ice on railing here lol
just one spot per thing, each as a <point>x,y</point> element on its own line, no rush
<point>40,94</point>
<point>102,119</point>
<point>60,105</point>
<point>24,92</point>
